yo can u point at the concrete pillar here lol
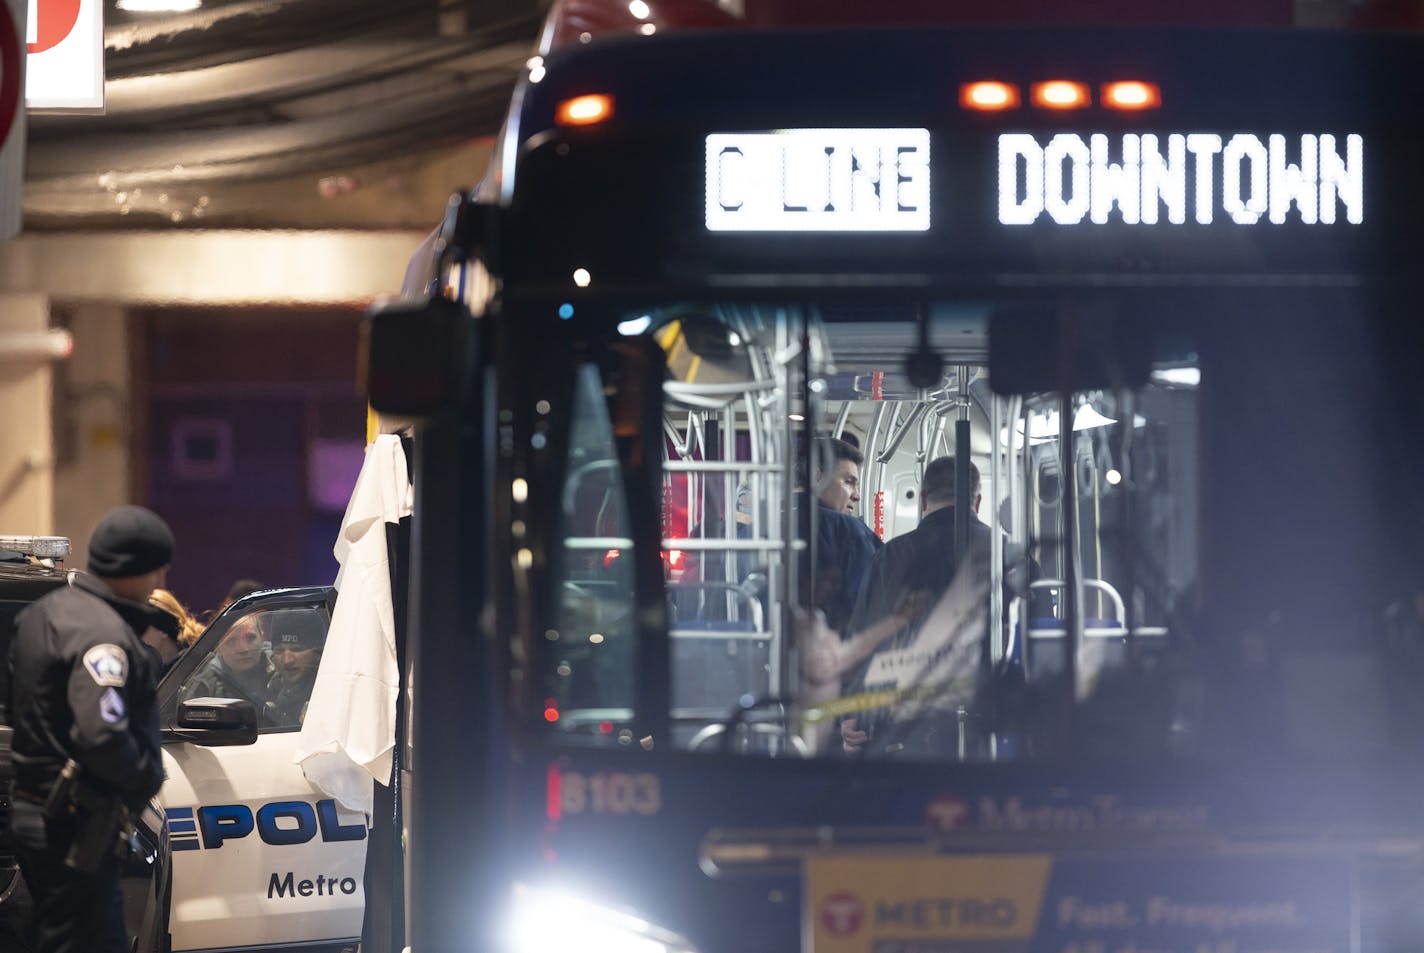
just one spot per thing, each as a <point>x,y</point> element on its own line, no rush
<point>26,454</point>
<point>94,421</point>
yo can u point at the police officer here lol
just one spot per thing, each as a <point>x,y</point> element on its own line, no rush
<point>297,640</point>
<point>83,694</point>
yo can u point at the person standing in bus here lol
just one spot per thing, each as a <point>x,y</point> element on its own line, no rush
<point>845,546</point>
<point>941,650</point>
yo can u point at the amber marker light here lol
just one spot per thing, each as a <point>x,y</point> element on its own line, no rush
<point>989,96</point>
<point>1131,94</point>
<point>1060,94</point>
<point>584,110</point>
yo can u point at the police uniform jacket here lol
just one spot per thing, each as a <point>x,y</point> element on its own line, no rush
<point>84,686</point>
<point>846,548</point>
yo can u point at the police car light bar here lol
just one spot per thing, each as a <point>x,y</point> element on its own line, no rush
<point>41,547</point>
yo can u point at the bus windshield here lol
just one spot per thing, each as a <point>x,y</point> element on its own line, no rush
<point>933,489</point>
<point>820,598</point>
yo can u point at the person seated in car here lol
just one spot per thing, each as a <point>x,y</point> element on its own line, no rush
<point>297,639</point>
<point>239,668</point>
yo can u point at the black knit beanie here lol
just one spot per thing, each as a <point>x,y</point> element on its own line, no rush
<point>130,541</point>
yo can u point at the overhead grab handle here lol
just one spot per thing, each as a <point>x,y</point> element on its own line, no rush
<point>898,437</point>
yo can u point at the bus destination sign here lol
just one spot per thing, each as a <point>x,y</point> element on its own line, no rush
<point>819,180</point>
<point>879,180</point>
<point>1143,179</point>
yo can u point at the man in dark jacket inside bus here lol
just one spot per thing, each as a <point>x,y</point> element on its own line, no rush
<point>845,546</point>
<point>936,663</point>
<point>86,745</point>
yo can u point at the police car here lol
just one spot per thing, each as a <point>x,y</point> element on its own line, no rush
<point>259,859</point>
<point>28,571</point>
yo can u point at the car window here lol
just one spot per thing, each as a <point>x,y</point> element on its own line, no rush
<point>268,657</point>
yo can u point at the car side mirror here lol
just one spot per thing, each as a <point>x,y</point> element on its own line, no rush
<point>217,722</point>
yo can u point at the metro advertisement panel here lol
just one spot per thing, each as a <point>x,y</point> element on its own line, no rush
<point>1027,903</point>
<point>817,856</point>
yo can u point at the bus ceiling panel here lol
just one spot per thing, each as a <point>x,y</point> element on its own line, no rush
<point>865,347</point>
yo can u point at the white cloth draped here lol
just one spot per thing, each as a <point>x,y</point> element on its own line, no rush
<point>348,737</point>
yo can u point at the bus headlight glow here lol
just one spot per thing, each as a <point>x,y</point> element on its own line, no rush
<point>549,921</point>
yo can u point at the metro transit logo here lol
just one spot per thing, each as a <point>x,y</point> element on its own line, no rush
<point>842,913</point>
<point>946,812</point>
<point>278,823</point>
<point>949,811</point>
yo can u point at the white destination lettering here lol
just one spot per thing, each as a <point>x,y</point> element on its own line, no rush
<point>1148,178</point>
<point>819,180</point>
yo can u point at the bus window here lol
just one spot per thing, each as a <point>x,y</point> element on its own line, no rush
<point>588,644</point>
<point>1068,627</point>
<point>767,657</point>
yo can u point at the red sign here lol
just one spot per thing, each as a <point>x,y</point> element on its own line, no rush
<point>64,70</point>
<point>9,70</point>
<point>12,117</point>
<point>947,812</point>
<point>54,19</point>
<point>842,913</point>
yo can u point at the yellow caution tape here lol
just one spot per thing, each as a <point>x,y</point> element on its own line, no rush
<point>865,701</point>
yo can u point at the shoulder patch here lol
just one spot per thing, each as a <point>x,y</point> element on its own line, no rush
<point>107,664</point>
<point>111,707</point>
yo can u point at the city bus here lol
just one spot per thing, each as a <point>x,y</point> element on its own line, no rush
<point>1158,691</point>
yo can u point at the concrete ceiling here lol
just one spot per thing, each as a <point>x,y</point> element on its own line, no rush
<point>283,113</point>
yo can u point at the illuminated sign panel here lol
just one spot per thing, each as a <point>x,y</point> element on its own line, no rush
<point>64,68</point>
<point>1180,177</point>
<point>878,180</point>
<point>819,180</point>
